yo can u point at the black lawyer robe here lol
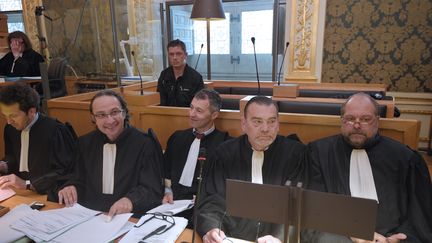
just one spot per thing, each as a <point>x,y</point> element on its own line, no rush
<point>27,65</point>
<point>401,178</point>
<point>137,171</point>
<point>284,160</point>
<point>50,153</point>
<point>176,153</point>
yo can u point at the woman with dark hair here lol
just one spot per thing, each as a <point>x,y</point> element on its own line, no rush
<point>21,60</point>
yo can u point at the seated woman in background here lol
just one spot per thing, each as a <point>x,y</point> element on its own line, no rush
<point>21,60</point>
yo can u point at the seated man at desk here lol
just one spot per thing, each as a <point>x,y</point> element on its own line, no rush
<point>38,149</point>
<point>181,169</point>
<point>260,156</point>
<point>178,83</point>
<point>22,60</point>
<point>361,163</point>
<point>117,166</point>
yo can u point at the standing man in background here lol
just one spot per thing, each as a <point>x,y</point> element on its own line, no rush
<point>22,60</point>
<point>38,149</point>
<point>178,83</point>
<point>181,168</point>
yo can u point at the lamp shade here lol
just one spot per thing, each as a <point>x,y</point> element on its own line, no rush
<point>207,10</point>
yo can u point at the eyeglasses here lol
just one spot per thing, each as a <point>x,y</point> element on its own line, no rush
<point>113,114</point>
<point>160,230</point>
<point>364,120</point>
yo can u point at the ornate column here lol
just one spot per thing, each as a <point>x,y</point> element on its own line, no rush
<point>30,25</point>
<point>303,41</point>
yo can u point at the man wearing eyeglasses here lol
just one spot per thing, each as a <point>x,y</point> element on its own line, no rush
<point>38,149</point>
<point>22,60</point>
<point>117,166</point>
<point>362,163</point>
<point>260,156</point>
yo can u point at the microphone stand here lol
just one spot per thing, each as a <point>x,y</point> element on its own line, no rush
<point>199,55</point>
<point>283,59</point>
<point>201,159</point>
<point>256,66</point>
<point>139,73</point>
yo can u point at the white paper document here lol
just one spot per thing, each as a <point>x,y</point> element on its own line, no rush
<point>94,230</point>
<point>173,209</point>
<point>146,229</point>
<point>8,234</point>
<point>47,225</point>
<point>6,193</point>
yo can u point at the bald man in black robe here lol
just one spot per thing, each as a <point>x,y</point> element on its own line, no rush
<point>400,175</point>
<point>276,158</point>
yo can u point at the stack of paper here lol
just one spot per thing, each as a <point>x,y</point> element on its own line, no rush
<point>170,236</point>
<point>6,193</point>
<point>8,234</point>
<point>173,209</point>
<point>47,225</point>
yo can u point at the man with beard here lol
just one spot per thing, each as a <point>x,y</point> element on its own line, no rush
<point>361,163</point>
<point>178,83</point>
<point>181,168</point>
<point>259,156</point>
<point>117,166</point>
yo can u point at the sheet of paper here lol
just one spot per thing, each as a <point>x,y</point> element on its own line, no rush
<point>7,234</point>
<point>6,193</point>
<point>136,234</point>
<point>173,209</point>
<point>94,230</point>
<point>128,226</point>
<point>47,225</point>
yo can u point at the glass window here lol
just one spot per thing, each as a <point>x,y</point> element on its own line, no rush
<point>219,35</point>
<point>258,24</point>
<point>13,9</point>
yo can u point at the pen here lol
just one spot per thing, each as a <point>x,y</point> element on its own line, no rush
<point>154,232</point>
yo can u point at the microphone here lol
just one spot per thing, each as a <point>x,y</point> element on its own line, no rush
<point>256,66</point>
<point>139,73</point>
<point>201,159</point>
<point>199,55</point>
<point>283,59</point>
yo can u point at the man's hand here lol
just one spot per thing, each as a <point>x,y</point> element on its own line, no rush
<point>382,239</point>
<point>3,167</point>
<point>168,198</point>
<point>214,235</point>
<point>268,239</point>
<point>68,195</point>
<point>12,180</point>
<point>123,205</point>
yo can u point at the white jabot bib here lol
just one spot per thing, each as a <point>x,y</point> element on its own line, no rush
<point>25,136</point>
<point>257,163</point>
<point>109,157</point>
<point>361,178</point>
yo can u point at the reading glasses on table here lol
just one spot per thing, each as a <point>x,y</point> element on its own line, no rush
<point>161,229</point>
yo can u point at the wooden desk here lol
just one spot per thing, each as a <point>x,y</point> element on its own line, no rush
<point>27,197</point>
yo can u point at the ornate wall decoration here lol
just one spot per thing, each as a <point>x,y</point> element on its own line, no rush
<point>29,7</point>
<point>375,41</point>
<point>303,40</point>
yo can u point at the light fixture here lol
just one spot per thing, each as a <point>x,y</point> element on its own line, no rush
<point>207,10</point>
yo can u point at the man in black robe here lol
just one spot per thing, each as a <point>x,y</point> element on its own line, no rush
<point>38,149</point>
<point>260,156</point>
<point>22,60</point>
<point>386,171</point>
<point>178,83</point>
<point>181,167</point>
<point>117,166</point>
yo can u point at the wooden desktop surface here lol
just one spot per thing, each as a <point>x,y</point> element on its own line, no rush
<point>27,197</point>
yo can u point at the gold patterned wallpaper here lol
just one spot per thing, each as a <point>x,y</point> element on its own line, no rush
<point>379,41</point>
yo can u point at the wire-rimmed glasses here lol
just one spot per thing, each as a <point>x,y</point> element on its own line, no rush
<point>160,230</point>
